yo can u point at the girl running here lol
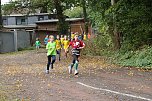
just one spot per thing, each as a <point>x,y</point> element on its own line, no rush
<point>65,45</point>
<point>76,45</point>
<point>51,53</point>
<point>58,46</point>
<point>62,39</point>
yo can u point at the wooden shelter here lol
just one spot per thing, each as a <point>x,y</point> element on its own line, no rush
<point>49,27</point>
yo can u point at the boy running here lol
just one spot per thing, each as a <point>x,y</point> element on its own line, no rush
<point>37,44</point>
<point>58,46</point>
<point>51,53</point>
<point>46,39</point>
<point>76,45</point>
<point>65,45</point>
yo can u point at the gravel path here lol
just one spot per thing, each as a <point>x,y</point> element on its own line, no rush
<point>22,78</point>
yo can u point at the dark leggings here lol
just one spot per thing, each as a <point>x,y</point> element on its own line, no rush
<point>75,58</point>
<point>49,61</point>
<point>59,54</point>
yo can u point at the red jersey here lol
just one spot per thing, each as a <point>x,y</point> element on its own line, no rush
<point>76,44</point>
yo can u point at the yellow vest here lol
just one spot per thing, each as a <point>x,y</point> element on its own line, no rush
<point>58,44</point>
<point>85,37</point>
<point>72,36</point>
<point>66,44</point>
<point>62,40</point>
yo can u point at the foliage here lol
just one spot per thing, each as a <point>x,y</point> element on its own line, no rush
<point>134,22</point>
<point>6,8</point>
<point>98,46</point>
<point>139,58</point>
<point>132,19</point>
<point>75,12</point>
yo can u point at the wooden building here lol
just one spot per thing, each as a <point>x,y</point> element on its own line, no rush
<point>49,27</point>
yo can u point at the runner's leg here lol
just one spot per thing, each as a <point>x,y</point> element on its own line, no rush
<point>59,53</point>
<point>53,60</point>
<point>49,62</point>
<point>71,65</point>
<point>76,64</point>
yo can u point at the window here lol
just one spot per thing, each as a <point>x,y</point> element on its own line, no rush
<point>21,21</point>
<point>4,21</point>
<point>41,18</point>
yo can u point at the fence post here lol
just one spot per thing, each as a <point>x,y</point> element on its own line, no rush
<point>15,39</point>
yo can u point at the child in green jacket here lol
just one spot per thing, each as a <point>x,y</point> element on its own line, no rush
<point>37,44</point>
<point>51,53</point>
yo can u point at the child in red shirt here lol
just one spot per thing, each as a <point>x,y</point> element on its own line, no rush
<point>76,45</point>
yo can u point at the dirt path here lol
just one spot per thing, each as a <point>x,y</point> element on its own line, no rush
<point>22,78</point>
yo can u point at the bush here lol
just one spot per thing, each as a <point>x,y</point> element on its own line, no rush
<point>139,58</point>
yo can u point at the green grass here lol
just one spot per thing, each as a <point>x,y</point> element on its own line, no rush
<point>20,51</point>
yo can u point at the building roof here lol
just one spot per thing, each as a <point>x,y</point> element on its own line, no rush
<point>56,20</point>
<point>33,14</point>
<point>20,26</point>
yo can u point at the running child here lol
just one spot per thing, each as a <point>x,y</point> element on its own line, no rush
<point>46,39</point>
<point>58,46</point>
<point>76,45</point>
<point>51,53</point>
<point>37,44</point>
<point>72,35</point>
<point>69,38</point>
<point>62,39</point>
<point>65,45</point>
<point>85,37</point>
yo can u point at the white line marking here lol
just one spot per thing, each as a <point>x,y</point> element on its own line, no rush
<point>118,93</point>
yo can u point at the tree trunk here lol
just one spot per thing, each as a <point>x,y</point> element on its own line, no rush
<point>112,2</point>
<point>62,24</point>
<point>116,35</point>
<point>1,24</point>
<point>85,16</point>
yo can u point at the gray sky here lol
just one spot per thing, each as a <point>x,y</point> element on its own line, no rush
<point>4,1</point>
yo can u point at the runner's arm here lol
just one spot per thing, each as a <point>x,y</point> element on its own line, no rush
<point>70,44</point>
<point>82,45</point>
